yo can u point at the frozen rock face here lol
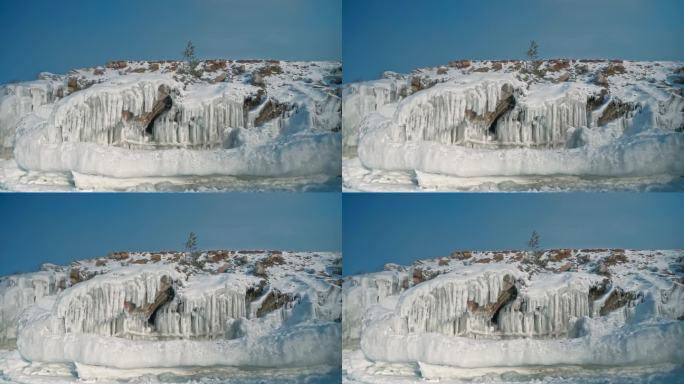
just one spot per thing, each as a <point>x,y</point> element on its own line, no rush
<point>282,118</point>
<point>244,308</point>
<point>562,117</point>
<point>567,303</point>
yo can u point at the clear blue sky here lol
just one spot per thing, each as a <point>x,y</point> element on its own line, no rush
<point>401,35</point>
<point>55,36</point>
<point>400,228</point>
<point>59,228</point>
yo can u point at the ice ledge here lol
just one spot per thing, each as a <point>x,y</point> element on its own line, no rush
<point>297,155</point>
<point>640,155</point>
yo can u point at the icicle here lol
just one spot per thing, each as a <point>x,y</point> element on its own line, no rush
<point>204,316</point>
<point>546,315</point>
<point>449,305</point>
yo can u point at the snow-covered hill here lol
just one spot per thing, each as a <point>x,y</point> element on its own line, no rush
<point>514,125</point>
<point>164,125</point>
<point>131,314</point>
<point>562,313</point>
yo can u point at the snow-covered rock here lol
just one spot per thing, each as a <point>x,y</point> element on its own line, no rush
<point>267,309</point>
<point>504,119</point>
<point>154,119</point>
<point>496,309</point>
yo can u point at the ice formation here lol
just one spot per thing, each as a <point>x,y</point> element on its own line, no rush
<point>361,99</point>
<point>267,309</point>
<point>364,291</point>
<point>498,119</point>
<point>150,119</point>
<point>21,291</point>
<point>506,309</point>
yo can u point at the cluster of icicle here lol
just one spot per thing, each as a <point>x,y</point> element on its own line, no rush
<point>112,308</point>
<point>198,125</point>
<point>113,116</point>
<point>106,306</point>
<point>442,305</point>
<point>205,316</point>
<point>97,114</point>
<point>18,292</point>
<point>447,114</point>
<point>546,124</point>
<point>546,315</point>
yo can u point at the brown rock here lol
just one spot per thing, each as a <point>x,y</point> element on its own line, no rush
<point>565,267</point>
<point>117,64</point>
<point>119,255</point>
<point>614,110</point>
<point>559,254</point>
<point>460,64</point>
<point>274,300</point>
<point>219,79</point>
<point>269,111</point>
<point>616,300</point>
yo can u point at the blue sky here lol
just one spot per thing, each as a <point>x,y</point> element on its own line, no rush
<point>59,228</point>
<point>400,228</point>
<point>404,34</point>
<point>50,35</point>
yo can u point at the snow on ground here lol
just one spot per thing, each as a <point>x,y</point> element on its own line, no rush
<point>565,316</point>
<point>512,126</point>
<point>241,316</point>
<point>224,125</point>
<point>358,370</point>
<point>14,370</point>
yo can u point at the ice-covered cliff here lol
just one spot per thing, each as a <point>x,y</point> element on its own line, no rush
<point>482,310</point>
<point>127,120</point>
<point>168,310</point>
<point>507,119</point>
